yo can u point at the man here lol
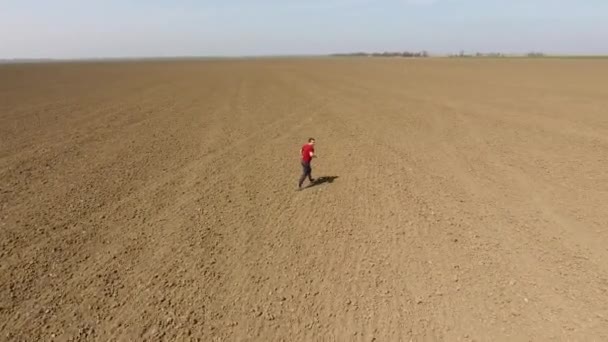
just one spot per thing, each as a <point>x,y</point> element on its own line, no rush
<point>308,153</point>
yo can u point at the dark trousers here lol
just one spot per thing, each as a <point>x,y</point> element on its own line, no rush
<point>306,172</point>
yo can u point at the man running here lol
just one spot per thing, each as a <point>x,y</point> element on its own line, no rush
<point>308,152</point>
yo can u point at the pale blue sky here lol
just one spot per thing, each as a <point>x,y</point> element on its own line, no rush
<point>132,28</point>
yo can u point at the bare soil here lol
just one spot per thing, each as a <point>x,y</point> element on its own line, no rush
<point>463,200</point>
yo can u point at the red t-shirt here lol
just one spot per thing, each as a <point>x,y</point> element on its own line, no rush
<point>306,149</point>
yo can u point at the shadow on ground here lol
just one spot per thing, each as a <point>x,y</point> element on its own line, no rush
<point>323,180</point>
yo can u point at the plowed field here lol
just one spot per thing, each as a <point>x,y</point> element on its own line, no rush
<point>456,200</point>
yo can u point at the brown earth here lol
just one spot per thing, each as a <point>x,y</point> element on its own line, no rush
<point>466,200</point>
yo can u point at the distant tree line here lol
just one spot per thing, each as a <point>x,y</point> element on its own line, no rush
<point>535,54</point>
<point>384,54</point>
<point>423,54</point>
<point>462,54</point>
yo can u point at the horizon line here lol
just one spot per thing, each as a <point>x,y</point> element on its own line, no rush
<point>359,54</point>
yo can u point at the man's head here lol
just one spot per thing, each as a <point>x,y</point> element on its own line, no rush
<point>311,141</point>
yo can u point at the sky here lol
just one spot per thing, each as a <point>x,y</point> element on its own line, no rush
<point>166,28</point>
